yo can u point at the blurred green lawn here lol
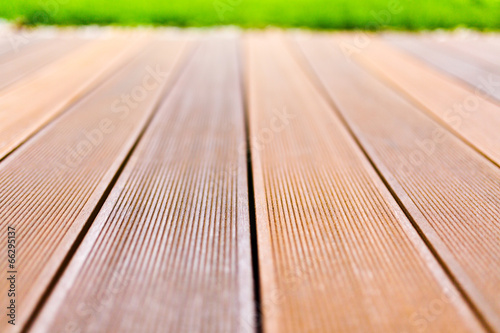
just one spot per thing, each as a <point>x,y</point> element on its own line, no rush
<point>319,14</point>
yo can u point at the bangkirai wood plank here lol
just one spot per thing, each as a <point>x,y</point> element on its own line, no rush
<point>34,101</point>
<point>478,47</point>
<point>50,187</point>
<point>30,47</point>
<point>464,111</point>
<point>15,42</point>
<point>451,191</point>
<point>174,234</point>
<point>482,76</point>
<point>336,253</point>
<point>41,55</point>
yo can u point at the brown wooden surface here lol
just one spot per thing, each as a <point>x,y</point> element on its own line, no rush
<point>188,181</point>
<point>454,104</point>
<point>32,102</point>
<point>482,75</point>
<point>482,49</point>
<point>42,54</point>
<point>340,249</point>
<point>190,238</point>
<point>50,187</point>
<point>452,192</point>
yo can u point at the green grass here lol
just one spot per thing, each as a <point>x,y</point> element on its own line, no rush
<point>319,14</point>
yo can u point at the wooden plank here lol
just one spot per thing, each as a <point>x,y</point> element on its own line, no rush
<point>478,47</point>
<point>188,245</point>
<point>451,191</point>
<point>30,46</point>
<point>50,187</point>
<point>336,253</point>
<point>31,103</point>
<point>464,111</point>
<point>15,42</point>
<point>41,55</point>
<point>480,75</point>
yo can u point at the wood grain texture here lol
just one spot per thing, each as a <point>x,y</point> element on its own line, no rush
<point>50,187</point>
<point>31,103</point>
<point>14,51</point>
<point>37,57</point>
<point>174,234</point>
<point>369,202</point>
<point>478,47</point>
<point>464,111</point>
<point>479,74</point>
<point>451,191</point>
<point>336,253</point>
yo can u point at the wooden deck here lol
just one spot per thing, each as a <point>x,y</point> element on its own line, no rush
<point>227,181</point>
